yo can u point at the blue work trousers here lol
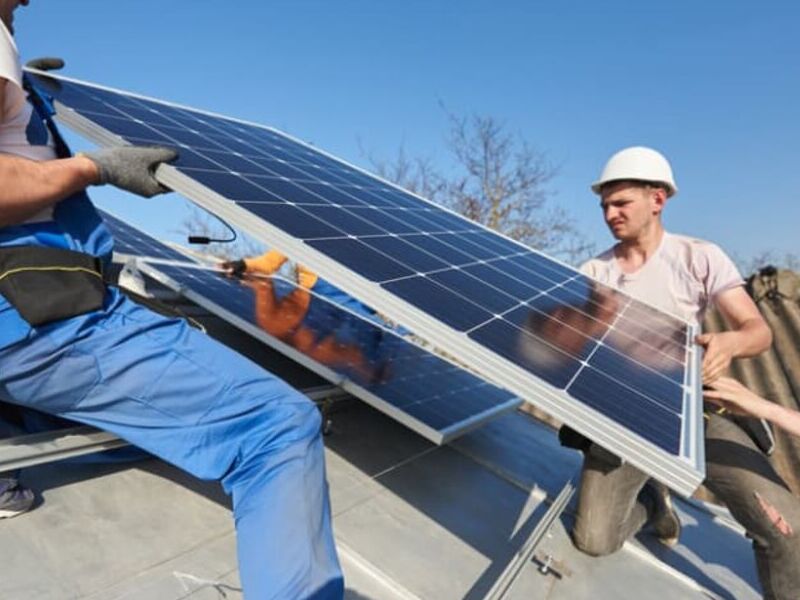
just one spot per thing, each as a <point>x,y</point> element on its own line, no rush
<point>174,392</point>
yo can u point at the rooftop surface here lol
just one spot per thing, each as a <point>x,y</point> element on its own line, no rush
<point>412,520</point>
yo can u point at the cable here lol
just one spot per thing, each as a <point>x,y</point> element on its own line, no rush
<point>203,239</point>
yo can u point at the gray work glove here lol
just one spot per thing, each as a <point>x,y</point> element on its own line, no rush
<point>132,168</point>
<point>46,63</point>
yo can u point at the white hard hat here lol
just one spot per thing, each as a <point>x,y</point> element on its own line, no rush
<point>640,164</point>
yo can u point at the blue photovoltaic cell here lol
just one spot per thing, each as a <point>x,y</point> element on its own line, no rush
<point>420,384</point>
<point>619,356</point>
<point>129,240</point>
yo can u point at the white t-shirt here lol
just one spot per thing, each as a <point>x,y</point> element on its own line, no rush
<point>682,277</point>
<point>19,120</point>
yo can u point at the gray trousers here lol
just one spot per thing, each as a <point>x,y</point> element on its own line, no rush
<point>610,510</point>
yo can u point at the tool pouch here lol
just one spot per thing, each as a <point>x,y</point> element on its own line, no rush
<point>50,284</point>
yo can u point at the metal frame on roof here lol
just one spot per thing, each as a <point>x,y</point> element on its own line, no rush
<point>682,473</point>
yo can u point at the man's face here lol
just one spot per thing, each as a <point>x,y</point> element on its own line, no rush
<point>630,209</point>
<point>7,8</point>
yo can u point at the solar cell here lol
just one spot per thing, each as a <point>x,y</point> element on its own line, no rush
<point>434,397</point>
<point>129,240</point>
<point>609,366</point>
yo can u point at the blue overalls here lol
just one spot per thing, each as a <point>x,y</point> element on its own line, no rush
<point>174,392</point>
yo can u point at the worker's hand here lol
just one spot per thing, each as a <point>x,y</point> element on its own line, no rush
<point>734,397</point>
<point>720,348</point>
<point>131,168</point>
<point>46,63</point>
<point>236,268</point>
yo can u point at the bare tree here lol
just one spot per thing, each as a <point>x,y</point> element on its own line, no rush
<point>416,175</point>
<point>501,181</point>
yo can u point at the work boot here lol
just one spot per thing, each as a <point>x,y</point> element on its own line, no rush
<point>15,499</point>
<point>663,517</point>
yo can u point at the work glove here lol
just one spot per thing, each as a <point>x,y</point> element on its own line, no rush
<point>236,268</point>
<point>46,63</point>
<point>132,168</point>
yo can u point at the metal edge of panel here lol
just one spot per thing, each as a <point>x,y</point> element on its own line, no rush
<point>312,365</point>
<point>692,426</point>
<point>677,473</point>
<point>696,452</point>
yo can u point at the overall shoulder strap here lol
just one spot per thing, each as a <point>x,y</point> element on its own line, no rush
<point>44,108</point>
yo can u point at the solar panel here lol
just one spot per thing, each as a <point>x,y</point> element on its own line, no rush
<point>430,395</point>
<point>619,371</point>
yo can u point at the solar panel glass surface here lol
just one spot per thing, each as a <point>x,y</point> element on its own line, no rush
<point>625,360</point>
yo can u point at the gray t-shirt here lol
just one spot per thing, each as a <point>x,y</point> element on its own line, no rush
<point>683,277</point>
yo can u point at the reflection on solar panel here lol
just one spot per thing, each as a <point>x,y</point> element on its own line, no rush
<point>428,394</point>
<point>613,368</point>
<point>129,240</point>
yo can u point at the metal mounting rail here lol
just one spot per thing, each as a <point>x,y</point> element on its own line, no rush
<point>509,576</point>
<point>39,448</point>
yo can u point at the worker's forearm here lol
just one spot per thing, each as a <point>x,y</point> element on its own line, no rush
<point>29,187</point>
<point>754,336</point>
<point>783,417</point>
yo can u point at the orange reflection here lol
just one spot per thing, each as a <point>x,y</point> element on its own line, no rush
<point>283,318</point>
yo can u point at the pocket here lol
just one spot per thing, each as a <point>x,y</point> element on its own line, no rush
<point>51,382</point>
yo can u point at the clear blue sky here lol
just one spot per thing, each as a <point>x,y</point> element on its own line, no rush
<point>714,85</point>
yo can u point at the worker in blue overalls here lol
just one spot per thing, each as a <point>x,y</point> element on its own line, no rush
<point>73,347</point>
